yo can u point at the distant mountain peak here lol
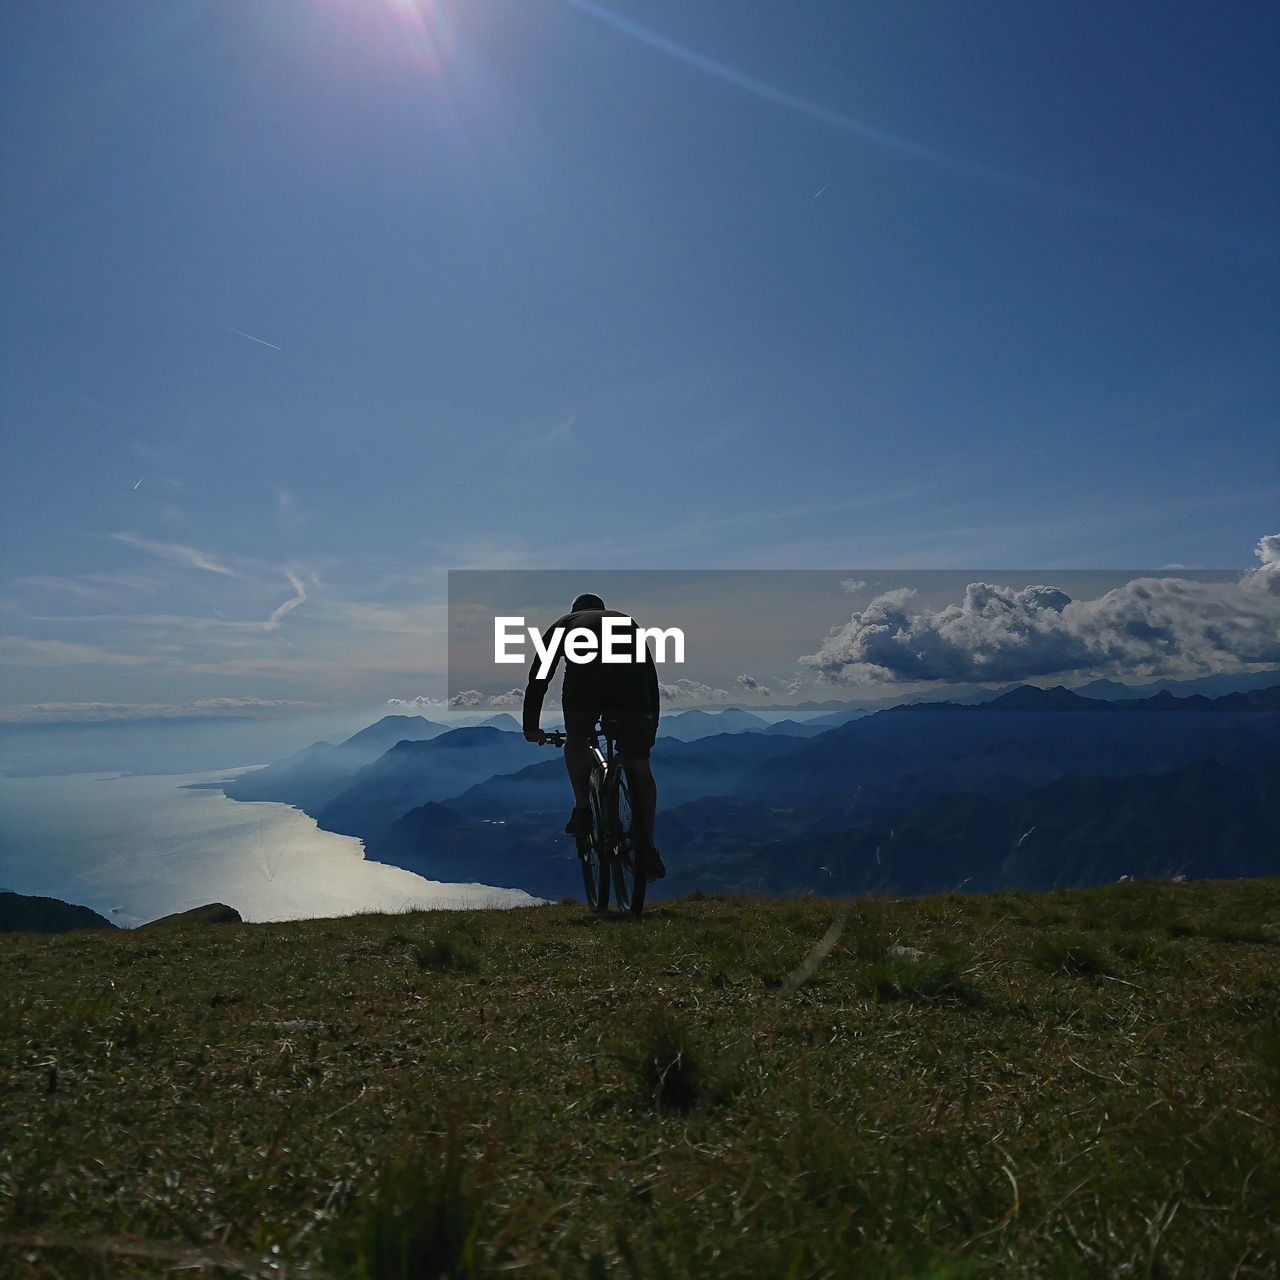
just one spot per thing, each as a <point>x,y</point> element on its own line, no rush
<point>504,720</point>
<point>1030,697</point>
<point>393,729</point>
<point>466,737</point>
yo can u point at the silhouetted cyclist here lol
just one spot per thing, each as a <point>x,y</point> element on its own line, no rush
<point>627,692</point>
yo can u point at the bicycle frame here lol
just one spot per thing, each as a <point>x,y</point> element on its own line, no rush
<point>608,855</point>
<point>603,760</point>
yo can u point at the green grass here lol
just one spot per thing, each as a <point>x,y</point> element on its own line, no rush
<point>1073,1084</point>
<point>444,953</point>
<point>420,1219</point>
<point>1070,954</point>
<point>672,1069</point>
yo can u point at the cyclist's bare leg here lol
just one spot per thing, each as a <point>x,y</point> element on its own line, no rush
<point>644,796</point>
<point>577,762</point>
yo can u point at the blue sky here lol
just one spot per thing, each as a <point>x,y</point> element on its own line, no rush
<point>311,301</point>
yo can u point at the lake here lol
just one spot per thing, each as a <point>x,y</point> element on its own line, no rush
<point>135,847</point>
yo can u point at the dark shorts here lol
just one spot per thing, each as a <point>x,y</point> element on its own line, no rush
<point>634,730</point>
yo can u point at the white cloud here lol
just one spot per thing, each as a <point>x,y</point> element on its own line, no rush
<point>130,581</point>
<point>289,515</point>
<point>691,691</point>
<point>1157,626</point>
<point>25,651</point>
<point>753,685</point>
<point>220,704</point>
<point>512,698</point>
<point>308,641</point>
<point>298,598</point>
<point>420,703</point>
<point>57,712</point>
<point>853,585</point>
<point>466,698</point>
<point>90,586</point>
<point>426,623</point>
<point>176,553</point>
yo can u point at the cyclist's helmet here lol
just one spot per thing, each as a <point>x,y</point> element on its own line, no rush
<point>587,600</point>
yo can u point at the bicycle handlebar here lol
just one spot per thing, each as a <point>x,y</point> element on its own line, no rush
<point>556,737</point>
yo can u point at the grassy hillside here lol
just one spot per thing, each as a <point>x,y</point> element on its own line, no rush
<point>1082,1083</point>
<point>34,914</point>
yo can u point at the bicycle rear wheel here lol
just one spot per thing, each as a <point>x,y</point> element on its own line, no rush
<point>593,849</point>
<point>627,863</point>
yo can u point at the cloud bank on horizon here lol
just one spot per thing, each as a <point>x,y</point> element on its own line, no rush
<point>265,652</point>
<point>1148,627</point>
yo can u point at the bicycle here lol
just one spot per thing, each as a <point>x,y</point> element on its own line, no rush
<point>610,855</point>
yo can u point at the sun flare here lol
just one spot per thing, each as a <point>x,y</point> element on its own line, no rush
<point>420,32</point>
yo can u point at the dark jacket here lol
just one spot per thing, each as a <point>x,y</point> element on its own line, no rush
<point>595,684</point>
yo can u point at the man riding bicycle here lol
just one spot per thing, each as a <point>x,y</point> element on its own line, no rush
<point>626,693</point>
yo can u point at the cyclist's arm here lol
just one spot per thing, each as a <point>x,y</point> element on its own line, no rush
<point>536,690</point>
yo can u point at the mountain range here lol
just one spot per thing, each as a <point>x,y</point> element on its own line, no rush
<point>1030,787</point>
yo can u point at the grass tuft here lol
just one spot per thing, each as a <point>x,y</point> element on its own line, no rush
<point>670,1066</point>
<point>1234,933</point>
<point>867,939</point>
<point>421,1219</point>
<point>446,952</point>
<point>932,979</point>
<point>1069,954</point>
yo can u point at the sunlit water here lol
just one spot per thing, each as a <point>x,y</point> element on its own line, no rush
<point>137,847</point>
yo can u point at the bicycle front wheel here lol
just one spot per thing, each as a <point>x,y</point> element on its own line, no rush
<point>593,850</point>
<point>627,862</point>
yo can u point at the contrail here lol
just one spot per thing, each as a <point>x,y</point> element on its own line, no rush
<point>821,189</point>
<point>301,598</point>
<point>870,133</point>
<point>783,98</point>
<point>140,479</point>
<point>191,557</point>
<point>261,341</point>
